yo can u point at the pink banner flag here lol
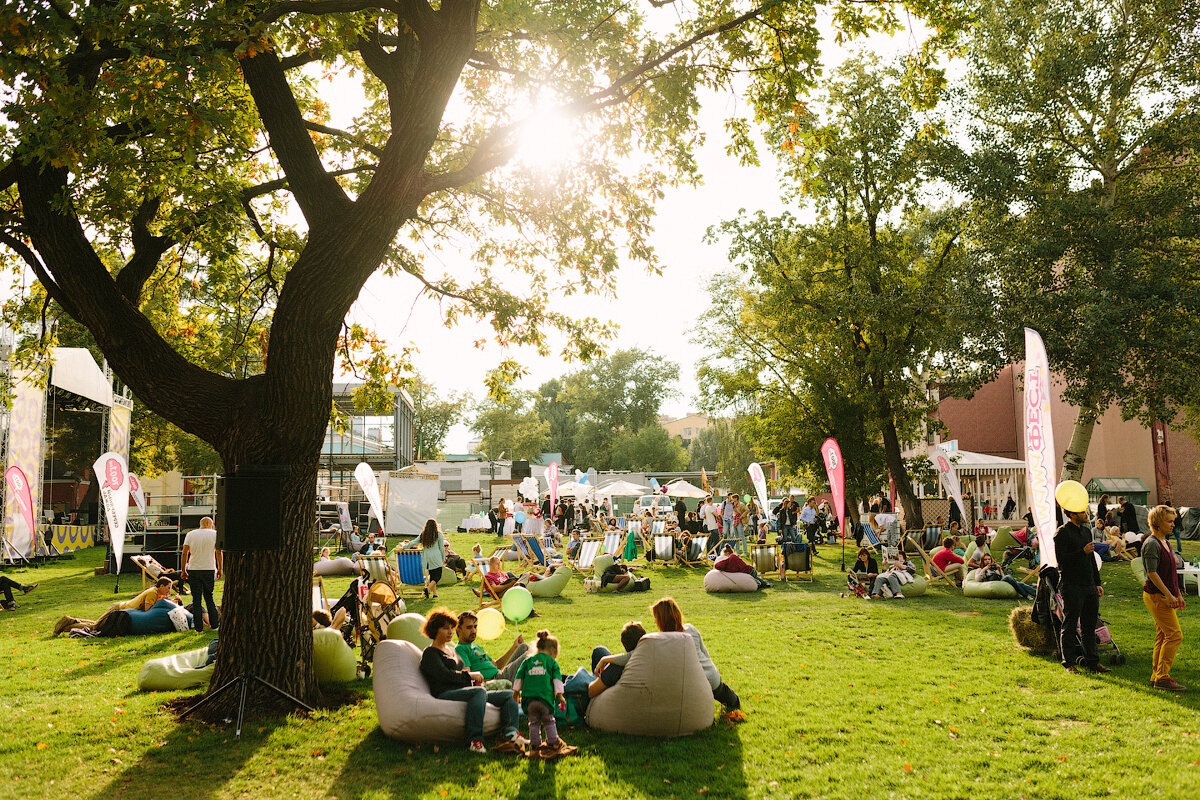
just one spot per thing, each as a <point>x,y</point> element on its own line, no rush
<point>832,455</point>
<point>113,474</point>
<point>19,484</point>
<point>552,482</point>
<point>1041,472</point>
<point>760,485</point>
<point>135,490</point>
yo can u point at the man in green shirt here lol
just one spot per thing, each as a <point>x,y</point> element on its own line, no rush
<point>479,661</point>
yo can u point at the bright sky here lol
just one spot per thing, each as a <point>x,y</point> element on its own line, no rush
<point>654,312</point>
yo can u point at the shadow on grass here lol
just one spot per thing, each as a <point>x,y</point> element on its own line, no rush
<point>202,758</point>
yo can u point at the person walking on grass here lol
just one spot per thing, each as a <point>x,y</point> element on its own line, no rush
<point>433,555</point>
<point>1163,597</point>
<point>201,568</point>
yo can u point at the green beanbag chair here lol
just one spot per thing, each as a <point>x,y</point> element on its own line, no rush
<point>333,660</point>
<point>179,671</point>
<point>602,563</point>
<point>408,627</point>
<point>997,590</point>
<point>552,586</point>
<point>449,578</point>
<point>917,588</point>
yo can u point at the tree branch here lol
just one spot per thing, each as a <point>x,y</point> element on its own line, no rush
<point>347,135</point>
<point>416,13</point>
<point>147,251</point>
<point>316,192</point>
<point>53,291</point>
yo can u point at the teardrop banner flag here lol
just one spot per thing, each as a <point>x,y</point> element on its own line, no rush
<point>552,481</point>
<point>366,479</point>
<point>832,455</point>
<point>113,473</point>
<point>1041,472</point>
<point>139,497</point>
<point>760,485</point>
<point>948,476</point>
<point>19,485</point>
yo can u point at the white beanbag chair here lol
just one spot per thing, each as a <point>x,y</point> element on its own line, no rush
<point>335,566</point>
<point>333,660</point>
<point>406,709</point>
<point>407,627</point>
<point>717,581</point>
<point>662,691</point>
<point>997,590</point>
<point>180,671</point>
<point>552,586</point>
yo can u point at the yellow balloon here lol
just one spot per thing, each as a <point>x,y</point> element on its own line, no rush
<point>491,624</point>
<point>1071,496</point>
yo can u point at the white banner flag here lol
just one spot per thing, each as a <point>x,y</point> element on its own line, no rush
<point>139,497</point>
<point>113,474</point>
<point>760,486</point>
<point>949,477</point>
<point>1041,472</point>
<point>366,479</point>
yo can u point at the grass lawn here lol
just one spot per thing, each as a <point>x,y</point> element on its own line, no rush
<point>921,698</point>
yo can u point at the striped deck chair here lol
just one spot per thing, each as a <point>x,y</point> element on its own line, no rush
<point>662,546</point>
<point>410,567</point>
<point>525,555</point>
<point>375,568</point>
<point>476,567</point>
<point>320,602</point>
<point>540,557</point>
<point>614,542</point>
<point>696,555</point>
<point>487,594</point>
<point>932,571</point>
<point>588,550</point>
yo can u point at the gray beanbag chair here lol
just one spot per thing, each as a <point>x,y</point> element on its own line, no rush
<point>552,586</point>
<point>998,590</point>
<point>333,660</point>
<point>662,691</point>
<point>406,709</point>
<point>720,582</point>
<point>179,671</point>
<point>328,567</point>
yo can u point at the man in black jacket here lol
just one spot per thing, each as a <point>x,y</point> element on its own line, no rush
<point>1129,520</point>
<point>1079,584</point>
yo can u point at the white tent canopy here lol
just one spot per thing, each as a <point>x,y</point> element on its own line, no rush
<point>682,488</point>
<point>76,372</point>
<point>622,489</point>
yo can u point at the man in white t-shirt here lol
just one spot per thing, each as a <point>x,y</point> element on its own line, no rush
<point>712,516</point>
<point>201,567</point>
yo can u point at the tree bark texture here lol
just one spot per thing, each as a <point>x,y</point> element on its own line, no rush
<point>895,459</point>
<point>1081,439</point>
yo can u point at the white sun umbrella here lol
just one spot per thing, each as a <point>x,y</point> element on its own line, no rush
<point>622,489</point>
<point>684,489</point>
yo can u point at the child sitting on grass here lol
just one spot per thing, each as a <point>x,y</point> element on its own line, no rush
<point>538,687</point>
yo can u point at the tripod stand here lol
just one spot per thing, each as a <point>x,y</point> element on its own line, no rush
<point>244,679</point>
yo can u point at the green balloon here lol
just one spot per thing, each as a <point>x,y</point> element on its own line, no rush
<point>745,498</point>
<point>517,603</point>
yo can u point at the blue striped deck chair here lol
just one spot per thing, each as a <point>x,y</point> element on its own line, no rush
<point>662,546</point>
<point>932,537</point>
<point>871,539</point>
<point>696,555</point>
<point>538,555</point>
<point>658,527</point>
<point>476,567</point>
<point>614,542</point>
<point>410,567</point>
<point>524,552</point>
<point>588,550</point>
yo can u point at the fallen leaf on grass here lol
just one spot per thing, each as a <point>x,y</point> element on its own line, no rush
<point>908,767</point>
<point>43,746</point>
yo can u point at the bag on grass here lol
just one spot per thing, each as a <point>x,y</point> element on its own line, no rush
<point>639,585</point>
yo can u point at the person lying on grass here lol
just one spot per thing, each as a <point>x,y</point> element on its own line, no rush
<point>669,618</point>
<point>143,602</point>
<point>732,562</point>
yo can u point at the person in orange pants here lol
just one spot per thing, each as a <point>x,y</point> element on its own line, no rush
<point>1162,596</point>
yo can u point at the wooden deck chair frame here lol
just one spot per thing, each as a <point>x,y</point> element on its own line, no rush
<point>701,560</point>
<point>487,594</point>
<point>540,558</point>
<point>148,578</point>
<point>376,568</point>
<point>933,572</point>
<point>524,555</point>
<point>476,567</point>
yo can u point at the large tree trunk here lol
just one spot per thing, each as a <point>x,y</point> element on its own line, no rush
<point>895,459</point>
<point>1081,439</point>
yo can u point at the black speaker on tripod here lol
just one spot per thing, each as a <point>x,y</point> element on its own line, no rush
<point>520,469</point>
<point>249,503</point>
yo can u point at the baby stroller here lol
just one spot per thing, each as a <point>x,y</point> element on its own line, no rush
<point>1048,611</point>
